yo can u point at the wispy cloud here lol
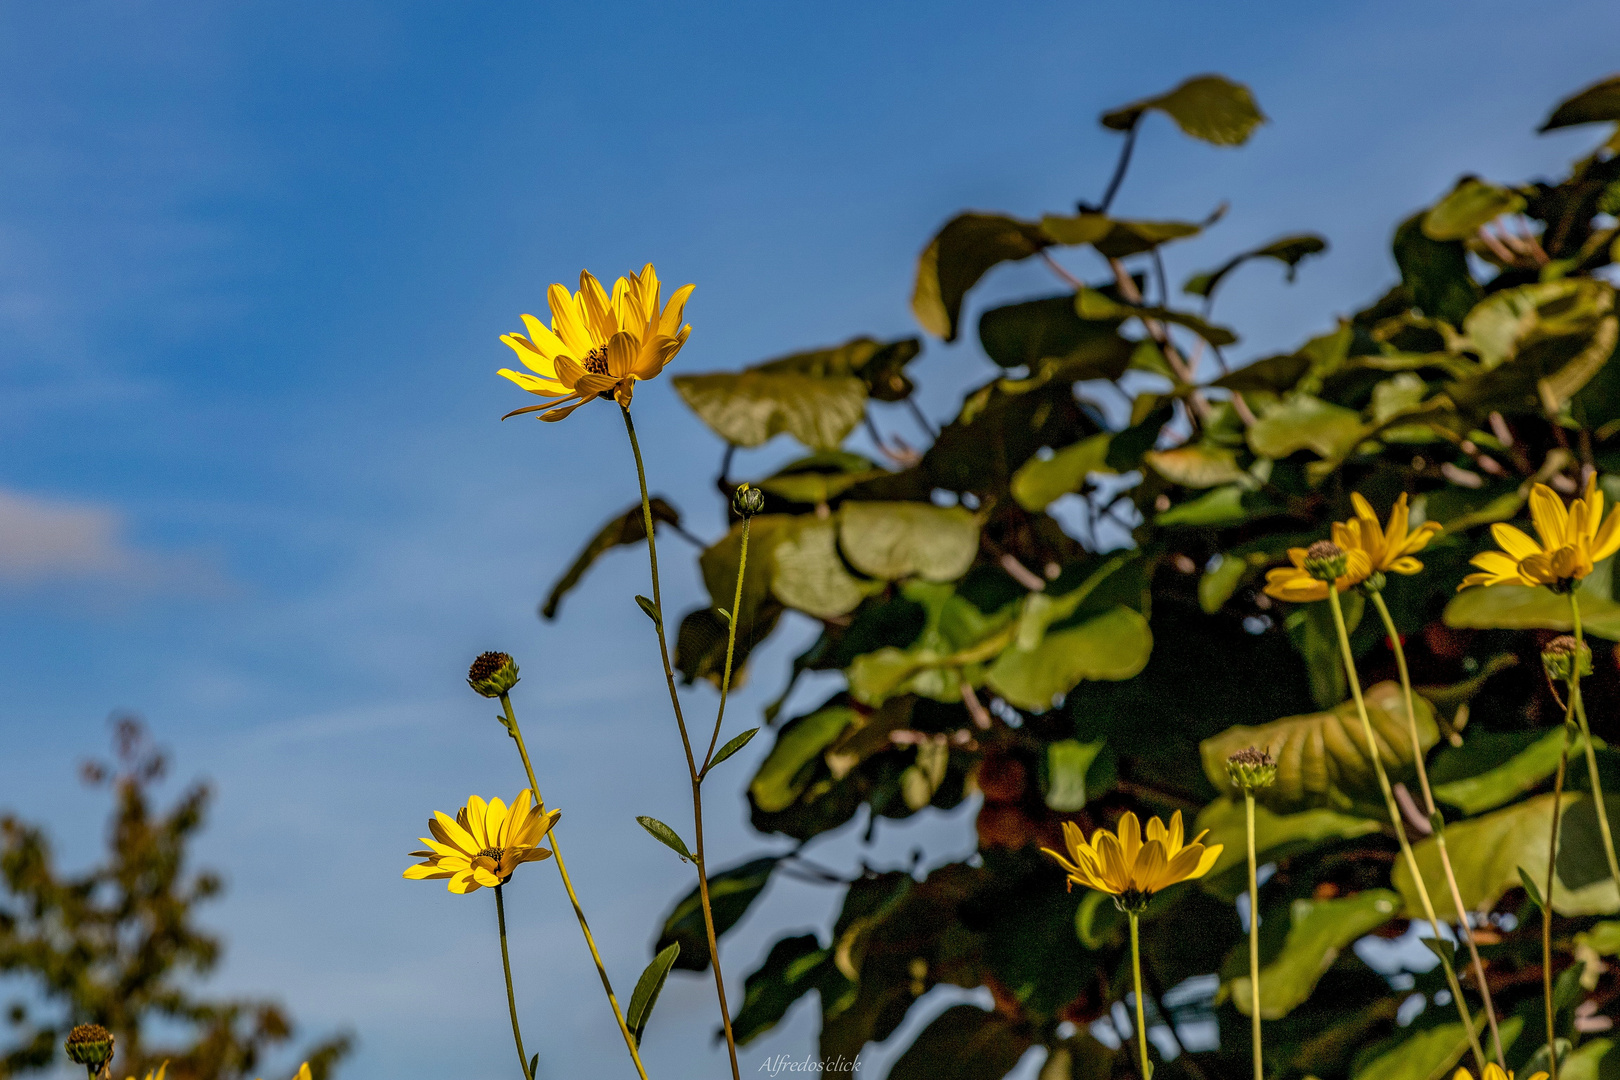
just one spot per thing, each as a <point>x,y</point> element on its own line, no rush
<point>46,541</point>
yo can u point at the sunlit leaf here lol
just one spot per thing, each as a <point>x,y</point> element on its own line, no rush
<point>784,772</point>
<point>1427,1054</point>
<point>1067,762</point>
<point>958,256</point>
<point>734,744</point>
<point>1509,778</point>
<point>665,835</point>
<point>1303,422</point>
<point>1527,607</point>
<point>1197,465</point>
<point>748,408</point>
<point>1114,645</point>
<point>1471,204</point>
<point>1207,107</point>
<point>1039,481</point>
<point>894,540</point>
<point>1318,930</point>
<point>806,572</point>
<point>1276,836</point>
<point>1091,304</point>
<point>1115,238</point>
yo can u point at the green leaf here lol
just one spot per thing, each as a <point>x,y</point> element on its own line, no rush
<point>1303,422</point>
<point>1276,836</point>
<point>720,560</point>
<point>1198,465</point>
<point>534,1062</point>
<point>1602,938</point>
<point>1597,104</point>
<point>648,987</point>
<point>880,364</point>
<point>665,835</point>
<point>1091,304</point>
<point>1322,757</point>
<point>783,774</point>
<point>1444,951</point>
<point>1212,510</point>
<point>1113,646</point>
<point>700,643</point>
<point>964,1042</point>
<point>1471,204</point>
<point>1114,238</point>
<point>1290,251</point>
<point>806,572</point>
<point>1067,762</point>
<point>1312,633</point>
<point>1211,108</point>
<point>1544,375</point>
<point>1038,482</point>
<point>1098,920</point>
<point>1585,1063</point>
<point>820,477</point>
<point>732,746</point>
<point>958,256</point>
<point>1429,1054</point>
<point>1318,931</point>
<point>894,540</point>
<point>650,608</point>
<point>624,529</point>
<point>1272,374</point>
<point>1048,330</point>
<point>748,408</point>
<point>1527,607</point>
<point>1508,779</point>
<point>1217,584</point>
<point>731,891</point>
<point>1582,862</point>
<point>1506,321</point>
<point>1531,889</point>
<point>794,967</point>
<point>1436,272</point>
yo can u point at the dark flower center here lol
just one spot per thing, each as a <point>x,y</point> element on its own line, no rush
<point>596,361</point>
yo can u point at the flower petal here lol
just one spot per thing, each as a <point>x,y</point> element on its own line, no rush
<point>1514,542</point>
<point>1548,515</point>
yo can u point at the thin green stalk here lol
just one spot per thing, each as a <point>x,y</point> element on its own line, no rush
<point>573,898</point>
<point>1254,936</point>
<point>1552,866</point>
<point>686,744</point>
<point>1395,820</point>
<point>1141,1018</point>
<point>511,999</point>
<point>1463,925</point>
<point>1591,754</point>
<point>731,648</point>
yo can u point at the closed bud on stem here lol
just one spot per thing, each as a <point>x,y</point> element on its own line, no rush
<point>90,1045</point>
<point>492,674</point>
<point>1251,769</point>
<point>1374,582</point>
<point>1566,659</point>
<point>1325,561</point>
<point>748,500</point>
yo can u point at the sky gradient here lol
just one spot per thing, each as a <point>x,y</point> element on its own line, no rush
<point>254,262</point>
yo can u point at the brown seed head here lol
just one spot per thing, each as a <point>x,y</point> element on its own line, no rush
<point>90,1045</point>
<point>1325,561</point>
<point>492,674</point>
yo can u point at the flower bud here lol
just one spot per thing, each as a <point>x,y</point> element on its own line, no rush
<point>1251,769</point>
<point>90,1045</point>
<point>1374,583</point>
<point>748,500</point>
<point>492,674</point>
<point>1566,659</point>
<point>1326,561</point>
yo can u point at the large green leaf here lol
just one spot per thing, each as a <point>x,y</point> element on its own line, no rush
<point>1113,646</point>
<point>1290,251</point>
<point>964,1042</point>
<point>1091,304</point>
<point>1322,757</point>
<point>1503,322</point>
<point>820,477</point>
<point>956,635</point>
<point>1067,763</point>
<point>1208,107</point>
<point>1114,238</point>
<point>1038,331</point>
<point>1276,836</point>
<point>1429,1053</point>
<point>1039,481</point>
<point>894,540</point>
<point>627,528</point>
<point>1304,422</point>
<point>786,769</point>
<point>747,408</point>
<point>1435,272</point>
<point>1508,779</point>
<point>731,891</point>
<point>794,967</point>
<point>806,573</point>
<point>1587,1062</point>
<point>880,364</point>
<point>1318,930</point>
<point>720,561</point>
<point>1546,373</point>
<point>1471,204</point>
<point>958,256</point>
<point>1487,853</point>
<point>1596,104</point>
<point>1198,465</point>
<point>1531,607</point>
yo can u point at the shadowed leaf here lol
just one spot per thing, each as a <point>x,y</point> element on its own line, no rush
<point>731,891</point>
<point>648,987</point>
<point>1290,251</point>
<point>626,528</point>
<point>1598,103</point>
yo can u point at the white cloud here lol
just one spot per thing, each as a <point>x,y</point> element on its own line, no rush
<point>46,541</point>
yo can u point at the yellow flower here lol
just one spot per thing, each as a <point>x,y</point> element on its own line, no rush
<point>1127,866</point>
<point>484,842</point>
<point>1368,549</point>
<point>303,1072</point>
<point>1571,541</point>
<point>598,345</point>
<point>1493,1071</point>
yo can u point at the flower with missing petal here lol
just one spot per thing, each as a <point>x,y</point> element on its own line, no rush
<point>598,345</point>
<point>1130,868</point>
<point>483,843</point>
<point>1572,540</point>
<point>1370,550</point>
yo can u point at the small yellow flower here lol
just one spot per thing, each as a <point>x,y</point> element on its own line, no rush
<point>1369,550</point>
<point>1572,541</point>
<point>484,842</point>
<point>1493,1071</point>
<point>1128,867</point>
<point>598,345</point>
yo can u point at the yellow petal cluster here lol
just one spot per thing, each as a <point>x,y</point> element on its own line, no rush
<point>484,842</point>
<point>1493,1071</point>
<point>598,345</point>
<point>1369,549</point>
<point>1124,864</point>
<point>1572,540</point>
<point>162,1071</point>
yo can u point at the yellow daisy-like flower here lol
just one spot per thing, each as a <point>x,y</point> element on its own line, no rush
<point>1493,1071</point>
<point>484,842</point>
<point>1369,549</point>
<point>1129,867</point>
<point>1572,541</point>
<point>598,345</point>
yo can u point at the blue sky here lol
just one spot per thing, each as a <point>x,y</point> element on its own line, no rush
<point>254,260</point>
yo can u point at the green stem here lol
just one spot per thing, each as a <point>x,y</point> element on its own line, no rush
<point>1141,1018</point>
<point>511,999</point>
<point>573,898</point>
<point>1463,925</point>
<point>1586,739</point>
<point>1254,937</point>
<point>1547,896</point>
<point>1399,826</point>
<point>686,744</point>
<point>731,648</point>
